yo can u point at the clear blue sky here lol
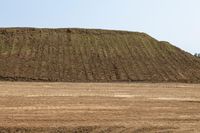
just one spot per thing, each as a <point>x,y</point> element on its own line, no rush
<point>176,21</point>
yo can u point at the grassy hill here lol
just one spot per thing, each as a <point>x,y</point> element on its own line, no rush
<point>81,55</point>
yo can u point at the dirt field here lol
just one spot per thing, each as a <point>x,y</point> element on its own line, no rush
<point>99,108</point>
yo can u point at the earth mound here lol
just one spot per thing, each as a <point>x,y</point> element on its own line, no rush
<point>83,55</point>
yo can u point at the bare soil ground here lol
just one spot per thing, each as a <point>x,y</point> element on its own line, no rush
<point>99,107</point>
<point>85,55</point>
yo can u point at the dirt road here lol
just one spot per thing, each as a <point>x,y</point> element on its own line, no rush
<point>99,107</point>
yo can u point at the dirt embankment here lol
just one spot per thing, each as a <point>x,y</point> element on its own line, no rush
<point>81,55</point>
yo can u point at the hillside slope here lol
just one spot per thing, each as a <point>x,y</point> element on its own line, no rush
<point>81,55</point>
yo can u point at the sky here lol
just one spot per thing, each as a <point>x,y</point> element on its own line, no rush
<point>175,21</point>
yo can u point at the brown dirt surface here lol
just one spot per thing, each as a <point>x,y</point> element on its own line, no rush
<point>82,55</point>
<point>99,108</point>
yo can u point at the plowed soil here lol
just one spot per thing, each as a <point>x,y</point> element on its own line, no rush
<point>81,55</point>
<point>99,108</point>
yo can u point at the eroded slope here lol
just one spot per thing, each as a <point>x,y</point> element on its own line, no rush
<point>82,55</point>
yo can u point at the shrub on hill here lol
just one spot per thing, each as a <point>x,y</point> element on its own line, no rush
<point>197,55</point>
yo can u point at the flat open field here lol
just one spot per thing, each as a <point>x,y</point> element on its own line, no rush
<point>99,107</point>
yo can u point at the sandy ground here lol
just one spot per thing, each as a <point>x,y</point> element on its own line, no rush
<point>99,107</point>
